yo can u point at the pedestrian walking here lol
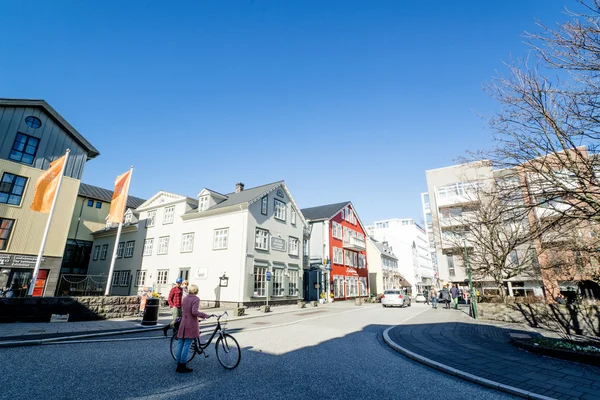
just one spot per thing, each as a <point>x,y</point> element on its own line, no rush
<point>434,297</point>
<point>174,300</point>
<point>426,295</point>
<point>188,328</point>
<point>454,292</point>
<point>445,296</point>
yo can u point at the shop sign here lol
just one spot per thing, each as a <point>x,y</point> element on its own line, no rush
<point>351,271</point>
<point>24,260</point>
<point>278,244</point>
<point>4,259</point>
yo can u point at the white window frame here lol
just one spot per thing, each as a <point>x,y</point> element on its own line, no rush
<point>293,282</point>
<point>124,278</point>
<point>294,246</point>
<point>163,245</point>
<point>129,248</point>
<point>336,230</point>
<point>96,253</point>
<point>104,252</point>
<point>148,243</point>
<point>140,278</point>
<point>338,256</point>
<point>264,205</point>
<point>169,215</point>
<point>292,216</point>
<point>277,276</point>
<point>260,282</point>
<point>128,218</point>
<point>115,278</point>
<point>120,248</point>
<point>187,242</point>
<point>338,286</point>
<point>280,209</point>
<point>151,219</point>
<point>220,239</point>
<point>261,239</point>
<point>162,276</point>
<point>203,205</point>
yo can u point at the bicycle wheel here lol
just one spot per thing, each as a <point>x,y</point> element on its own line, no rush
<point>191,352</point>
<point>228,351</point>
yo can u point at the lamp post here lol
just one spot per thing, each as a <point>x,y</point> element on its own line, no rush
<point>473,300</point>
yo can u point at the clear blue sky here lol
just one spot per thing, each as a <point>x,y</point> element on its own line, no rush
<point>344,100</point>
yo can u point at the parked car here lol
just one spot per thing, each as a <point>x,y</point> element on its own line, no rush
<point>419,298</point>
<point>395,297</point>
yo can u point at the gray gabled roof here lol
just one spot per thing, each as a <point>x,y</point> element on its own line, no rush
<point>323,212</point>
<point>384,249</point>
<point>246,195</point>
<point>97,193</point>
<point>91,150</point>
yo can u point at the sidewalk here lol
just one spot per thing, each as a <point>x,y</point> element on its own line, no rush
<point>481,351</point>
<point>16,333</point>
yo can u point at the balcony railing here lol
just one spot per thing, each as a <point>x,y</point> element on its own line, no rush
<point>354,243</point>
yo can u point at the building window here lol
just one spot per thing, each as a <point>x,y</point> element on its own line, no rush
<point>348,259</point>
<point>260,281</point>
<point>151,218</point>
<point>450,259</point>
<point>264,204</point>
<point>280,210</point>
<point>278,282</point>
<point>203,205</point>
<point>187,242</point>
<point>104,252</point>
<point>261,239</point>
<point>514,258</point>
<point>24,149</point>
<point>162,277</point>
<point>98,204</point>
<point>140,278</point>
<point>293,215</point>
<point>96,253</point>
<point>124,280</point>
<point>128,218</point>
<point>148,247</point>
<point>6,227</point>
<point>120,248</point>
<point>363,286</point>
<point>338,257</point>
<point>361,261</point>
<point>293,283</point>
<point>352,286</point>
<point>115,278</point>
<point>33,122</point>
<point>338,286</point>
<point>163,245</point>
<point>336,230</point>
<point>168,216</point>
<point>129,249</point>
<point>294,246</point>
<point>220,239</point>
<point>12,188</point>
<point>90,203</point>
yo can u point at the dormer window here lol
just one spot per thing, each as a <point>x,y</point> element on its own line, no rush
<point>108,225</point>
<point>203,205</point>
<point>128,218</point>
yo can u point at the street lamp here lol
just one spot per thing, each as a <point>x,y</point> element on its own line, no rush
<point>473,300</point>
<point>223,280</point>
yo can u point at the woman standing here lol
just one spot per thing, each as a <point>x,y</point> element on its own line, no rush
<point>188,329</point>
<point>184,287</point>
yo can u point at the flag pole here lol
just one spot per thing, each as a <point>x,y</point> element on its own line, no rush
<point>114,255</point>
<point>38,261</point>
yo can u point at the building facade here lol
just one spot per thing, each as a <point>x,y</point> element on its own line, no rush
<point>384,273</point>
<point>32,135</point>
<point>337,261</point>
<point>411,247</point>
<point>224,243</point>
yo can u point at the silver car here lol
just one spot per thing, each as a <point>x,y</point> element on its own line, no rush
<point>395,297</point>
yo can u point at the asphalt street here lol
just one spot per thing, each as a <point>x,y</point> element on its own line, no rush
<point>322,353</point>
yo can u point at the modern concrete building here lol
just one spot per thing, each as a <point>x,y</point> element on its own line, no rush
<point>337,261</point>
<point>89,216</point>
<point>452,197</point>
<point>224,243</point>
<point>32,135</point>
<point>410,244</point>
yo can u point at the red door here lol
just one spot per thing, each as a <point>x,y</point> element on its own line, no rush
<point>40,283</point>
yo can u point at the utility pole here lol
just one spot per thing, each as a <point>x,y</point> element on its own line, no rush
<point>473,299</point>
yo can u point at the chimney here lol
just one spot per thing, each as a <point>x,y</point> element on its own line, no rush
<point>239,187</point>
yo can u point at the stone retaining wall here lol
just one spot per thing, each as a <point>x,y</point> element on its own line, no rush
<point>565,319</point>
<point>40,309</point>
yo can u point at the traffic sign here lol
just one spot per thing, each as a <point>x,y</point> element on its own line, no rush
<point>268,275</point>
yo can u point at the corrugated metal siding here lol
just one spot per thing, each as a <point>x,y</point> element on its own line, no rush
<point>29,225</point>
<point>54,141</point>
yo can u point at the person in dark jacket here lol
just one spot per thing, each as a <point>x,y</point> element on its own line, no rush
<point>174,300</point>
<point>455,293</point>
<point>445,296</point>
<point>188,329</point>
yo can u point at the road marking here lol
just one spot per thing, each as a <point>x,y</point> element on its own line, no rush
<point>104,340</point>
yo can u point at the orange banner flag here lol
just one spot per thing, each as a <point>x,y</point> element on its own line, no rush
<point>119,198</point>
<point>46,186</point>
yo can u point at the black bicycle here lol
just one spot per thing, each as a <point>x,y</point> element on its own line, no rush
<point>227,348</point>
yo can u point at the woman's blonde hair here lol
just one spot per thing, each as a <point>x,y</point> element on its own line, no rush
<point>185,283</point>
<point>193,289</point>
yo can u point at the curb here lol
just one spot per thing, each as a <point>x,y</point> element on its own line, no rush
<point>461,374</point>
<point>54,340</point>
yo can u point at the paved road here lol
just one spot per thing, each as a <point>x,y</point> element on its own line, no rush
<point>322,353</point>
